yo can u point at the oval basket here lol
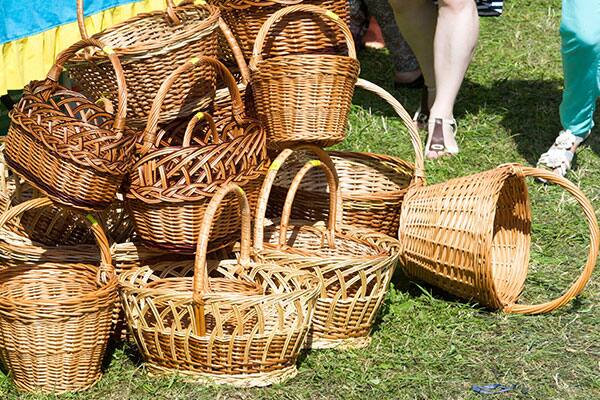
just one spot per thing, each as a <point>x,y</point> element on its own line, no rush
<point>471,237</point>
<point>372,185</point>
<point>355,265</point>
<point>150,45</point>
<point>303,98</point>
<point>245,326</point>
<point>56,319</point>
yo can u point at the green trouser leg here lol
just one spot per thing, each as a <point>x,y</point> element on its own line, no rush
<point>580,33</point>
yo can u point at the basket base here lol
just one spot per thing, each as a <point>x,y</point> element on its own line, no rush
<point>241,380</point>
<point>55,391</point>
<point>340,344</point>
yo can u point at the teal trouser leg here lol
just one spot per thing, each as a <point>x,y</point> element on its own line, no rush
<point>580,33</point>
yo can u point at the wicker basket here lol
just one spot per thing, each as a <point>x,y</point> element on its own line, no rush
<point>244,327</point>
<point>372,185</point>
<point>294,35</point>
<point>355,265</point>
<point>55,320</point>
<point>303,98</point>
<point>150,45</point>
<point>67,146</point>
<point>173,183</point>
<point>471,236</point>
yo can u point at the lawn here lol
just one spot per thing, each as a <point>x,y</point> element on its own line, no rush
<point>427,345</point>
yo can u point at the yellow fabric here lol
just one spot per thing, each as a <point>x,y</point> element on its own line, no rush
<point>32,57</point>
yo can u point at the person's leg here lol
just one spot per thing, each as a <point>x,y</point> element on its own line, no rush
<point>455,40</point>
<point>580,34</point>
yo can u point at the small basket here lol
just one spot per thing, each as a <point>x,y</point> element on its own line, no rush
<point>293,34</point>
<point>67,146</point>
<point>471,236</point>
<point>354,265</point>
<point>245,327</point>
<point>173,183</point>
<point>56,319</point>
<point>303,98</point>
<point>372,185</point>
<point>149,46</point>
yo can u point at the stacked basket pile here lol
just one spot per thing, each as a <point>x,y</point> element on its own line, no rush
<point>130,201</point>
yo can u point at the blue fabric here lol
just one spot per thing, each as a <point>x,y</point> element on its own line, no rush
<point>22,18</point>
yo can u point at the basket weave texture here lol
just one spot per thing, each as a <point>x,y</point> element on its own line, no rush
<point>67,146</point>
<point>471,237</point>
<point>354,265</point>
<point>303,98</point>
<point>372,185</point>
<point>150,45</point>
<point>244,326</point>
<point>55,320</point>
<point>172,184</point>
<point>302,32</point>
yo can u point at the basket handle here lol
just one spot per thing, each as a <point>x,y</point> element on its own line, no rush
<point>200,284</point>
<point>106,270</point>
<point>590,215</point>
<point>236,50</point>
<point>264,30</point>
<point>154,115</point>
<point>65,55</point>
<point>415,138</point>
<point>265,191</point>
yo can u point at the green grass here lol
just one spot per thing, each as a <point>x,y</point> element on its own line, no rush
<point>427,345</point>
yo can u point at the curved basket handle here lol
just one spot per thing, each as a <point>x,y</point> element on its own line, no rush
<point>154,115</point>
<point>264,30</point>
<point>65,55</point>
<point>236,50</point>
<point>265,192</point>
<point>590,215</point>
<point>106,270</point>
<point>415,138</point>
<point>81,17</point>
<point>201,285</point>
<point>212,128</point>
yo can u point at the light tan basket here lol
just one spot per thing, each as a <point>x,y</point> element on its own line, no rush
<point>355,265</point>
<point>244,327</point>
<point>471,237</point>
<point>56,319</point>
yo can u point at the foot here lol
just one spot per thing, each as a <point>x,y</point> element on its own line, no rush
<point>373,38</point>
<point>442,138</point>
<point>421,117</point>
<point>559,157</point>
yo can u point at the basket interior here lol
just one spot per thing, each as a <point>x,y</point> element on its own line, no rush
<point>511,240</point>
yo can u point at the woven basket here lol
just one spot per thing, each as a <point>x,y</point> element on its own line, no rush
<point>471,236</point>
<point>293,35</point>
<point>303,98</point>
<point>354,265</point>
<point>372,185</point>
<point>244,326</point>
<point>55,320</point>
<point>67,146</point>
<point>150,46</point>
<point>173,183</point>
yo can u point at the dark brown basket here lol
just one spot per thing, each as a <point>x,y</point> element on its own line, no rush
<point>56,319</point>
<point>372,185</point>
<point>150,45</point>
<point>67,146</point>
<point>172,184</point>
<point>293,34</point>
<point>303,98</point>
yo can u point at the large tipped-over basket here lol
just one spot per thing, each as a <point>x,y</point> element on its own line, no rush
<point>150,46</point>
<point>354,265</point>
<point>372,185</point>
<point>66,145</point>
<point>471,236</point>
<point>293,34</point>
<point>173,183</point>
<point>303,98</point>
<point>56,319</point>
<point>245,326</point>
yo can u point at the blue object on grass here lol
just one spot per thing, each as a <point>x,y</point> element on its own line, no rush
<point>495,388</point>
